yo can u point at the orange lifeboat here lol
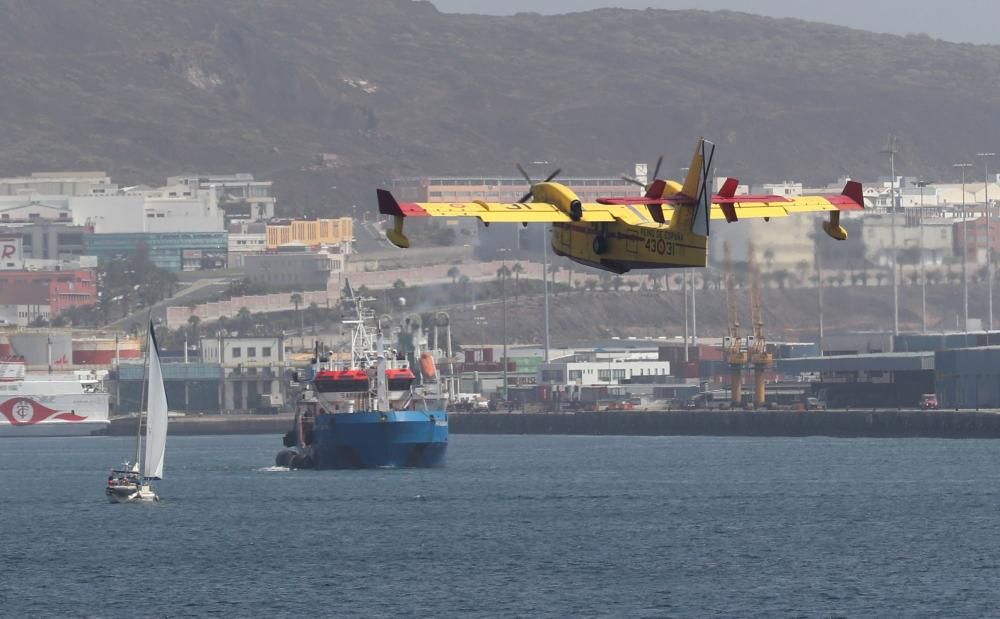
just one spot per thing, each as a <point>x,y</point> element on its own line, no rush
<point>427,367</point>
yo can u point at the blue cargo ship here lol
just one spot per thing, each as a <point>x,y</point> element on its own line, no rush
<point>367,412</point>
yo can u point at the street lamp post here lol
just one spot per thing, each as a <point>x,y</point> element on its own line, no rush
<point>686,272</point>
<point>891,149</point>
<point>989,238</point>
<point>503,296</point>
<point>965,253</point>
<point>923,263</point>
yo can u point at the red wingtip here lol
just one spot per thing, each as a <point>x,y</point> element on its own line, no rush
<point>855,192</point>
<point>387,204</point>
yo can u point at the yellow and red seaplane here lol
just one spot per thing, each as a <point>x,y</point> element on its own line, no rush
<point>668,227</point>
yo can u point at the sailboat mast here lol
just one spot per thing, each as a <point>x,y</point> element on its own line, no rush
<point>142,403</point>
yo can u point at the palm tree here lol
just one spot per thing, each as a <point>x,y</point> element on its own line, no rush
<point>244,322</point>
<point>803,268</point>
<point>463,286</point>
<point>517,270</point>
<point>769,258</point>
<point>605,280</point>
<point>193,323</point>
<point>313,315</point>
<point>296,300</point>
<point>554,271</point>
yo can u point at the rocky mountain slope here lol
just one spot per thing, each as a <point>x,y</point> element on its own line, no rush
<point>148,88</point>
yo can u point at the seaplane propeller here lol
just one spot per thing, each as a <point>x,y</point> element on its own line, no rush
<point>531,183</point>
<point>656,173</point>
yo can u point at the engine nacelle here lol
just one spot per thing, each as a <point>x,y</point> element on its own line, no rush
<point>562,196</point>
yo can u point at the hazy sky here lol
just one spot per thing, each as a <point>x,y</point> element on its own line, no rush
<point>975,21</point>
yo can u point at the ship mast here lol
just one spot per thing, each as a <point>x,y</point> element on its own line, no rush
<point>381,382</point>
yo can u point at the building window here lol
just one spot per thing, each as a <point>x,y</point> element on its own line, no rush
<point>237,352</point>
<point>576,375</point>
<point>251,351</point>
<point>265,351</point>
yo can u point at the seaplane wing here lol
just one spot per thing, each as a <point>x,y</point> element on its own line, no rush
<point>749,207</point>
<point>500,212</point>
<point>503,212</point>
<point>732,208</point>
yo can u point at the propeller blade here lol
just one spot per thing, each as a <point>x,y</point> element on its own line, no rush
<point>656,170</point>
<point>633,180</point>
<point>525,198</point>
<point>524,174</point>
<point>553,175</point>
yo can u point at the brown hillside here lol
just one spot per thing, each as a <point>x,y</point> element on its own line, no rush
<point>153,87</point>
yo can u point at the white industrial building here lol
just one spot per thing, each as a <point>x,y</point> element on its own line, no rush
<point>587,370</point>
<point>175,208</point>
<point>242,197</point>
<point>59,183</point>
<point>246,239</point>
<point>252,367</point>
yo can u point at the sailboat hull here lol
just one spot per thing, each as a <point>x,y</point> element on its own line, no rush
<point>394,439</point>
<point>131,494</point>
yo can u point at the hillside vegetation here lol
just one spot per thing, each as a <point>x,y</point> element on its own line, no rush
<point>148,88</point>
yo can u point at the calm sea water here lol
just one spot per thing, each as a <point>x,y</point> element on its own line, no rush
<point>514,526</point>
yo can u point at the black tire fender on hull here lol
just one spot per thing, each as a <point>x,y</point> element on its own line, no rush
<point>289,458</point>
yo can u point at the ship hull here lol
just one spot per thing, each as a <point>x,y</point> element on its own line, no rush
<point>53,428</point>
<point>395,439</point>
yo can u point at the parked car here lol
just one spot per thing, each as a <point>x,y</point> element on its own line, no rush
<point>814,404</point>
<point>928,401</point>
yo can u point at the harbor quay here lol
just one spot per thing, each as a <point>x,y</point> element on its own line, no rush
<point>880,423</point>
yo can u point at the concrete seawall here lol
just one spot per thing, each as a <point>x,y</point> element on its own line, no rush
<point>195,425</point>
<point>846,424</point>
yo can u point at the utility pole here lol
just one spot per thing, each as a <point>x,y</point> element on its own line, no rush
<point>892,150</point>
<point>686,334</point>
<point>545,285</point>
<point>923,262</point>
<point>819,284</point>
<point>965,253</point>
<point>694,309</point>
<point>989,238</point>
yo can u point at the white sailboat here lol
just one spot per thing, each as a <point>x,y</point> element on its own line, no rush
<point>132,482</point>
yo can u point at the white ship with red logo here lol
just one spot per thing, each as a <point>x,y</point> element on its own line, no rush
<point>56,404</point>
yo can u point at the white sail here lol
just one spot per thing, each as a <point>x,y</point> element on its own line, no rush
<point>156,414</point>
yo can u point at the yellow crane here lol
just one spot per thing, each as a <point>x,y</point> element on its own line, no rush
<point>732,344</point>
<point>760,359</point>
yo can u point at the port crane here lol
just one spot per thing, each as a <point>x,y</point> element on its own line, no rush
<point>732,343</point>
<point>760,358</point>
